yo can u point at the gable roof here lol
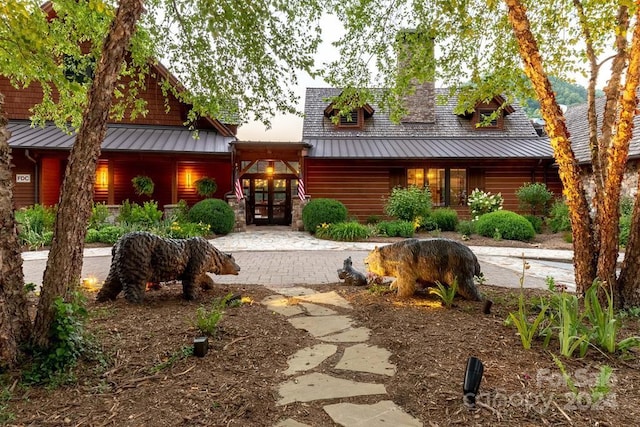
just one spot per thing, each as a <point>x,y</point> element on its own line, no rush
<point>450,136</point>
<point>577,124</point>
<point>123,138</point>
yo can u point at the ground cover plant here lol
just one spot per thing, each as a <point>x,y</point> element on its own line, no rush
<point>150,376</point>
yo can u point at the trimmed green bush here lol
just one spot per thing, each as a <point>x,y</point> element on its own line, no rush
<point>110,234</point>
<point>397,228</point>
<point>559,217</point>
<point>322,211</point>
<point>93,236</point>
<point>466,228</point>
<point>625,228</point>
<point>534,198</point>
<point>536,221</point>
<point>348,231</point>
<point>445,218</point>
<point>215,212</point>
<point>505,225</point>
<point>409,203</point>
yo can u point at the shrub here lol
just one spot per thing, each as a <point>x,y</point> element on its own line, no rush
<point>481,203</point>
<point>348,231</point>
<point>625,229</point>
<point>445,218</point>
<point>99,215</point>
<point>397,228</point>
<point>506,225</point>
<point>466,228</point>
<point>180,213</point>
<point>110,234</point>
<point>626,206</point>
<point>373,219</point>
<point>534,198</point>
<point>214,212</point>
<point>322,211</point>
<point>536,221</point>
<point>559,217</point>
<point>93,236</point>
<point>35,225</point>
<point>147,215</point>
<point>409,203</point>
<point>185,230</point>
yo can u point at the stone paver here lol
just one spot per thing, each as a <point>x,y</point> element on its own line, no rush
<point>352,335</point>
<point>317,386</point>
<point>367,358</point>
<point>330,298</point>
<point>319,326</point>
<point>281,305</point>
<point>309,358</point>
<point>291,423</point>
<point>317,310</point>
<point>381,414</point>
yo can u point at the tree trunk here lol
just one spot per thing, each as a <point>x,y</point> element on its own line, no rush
<point>629,280</point>
<point>64,266</point>
<point>585,255</point>
<point>15,324</point>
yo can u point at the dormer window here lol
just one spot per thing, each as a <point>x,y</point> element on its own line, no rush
<point>488,119</point>
<point>352,120</point>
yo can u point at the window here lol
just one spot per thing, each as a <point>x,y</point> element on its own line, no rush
<point>415,177</point>
<point>448,187</point>
<point>484,119</point>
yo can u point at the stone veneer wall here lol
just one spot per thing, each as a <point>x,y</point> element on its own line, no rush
<point>420,105</point>
<point>239,209</point>
<point>296,214</point>
<point>629,182</point>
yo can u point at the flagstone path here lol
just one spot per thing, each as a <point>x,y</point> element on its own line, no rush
<point>336,334</point>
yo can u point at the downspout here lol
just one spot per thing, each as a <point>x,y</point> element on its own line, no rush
<point>36,177</point>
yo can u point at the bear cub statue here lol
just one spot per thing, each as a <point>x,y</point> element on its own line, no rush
<point>350,275</point>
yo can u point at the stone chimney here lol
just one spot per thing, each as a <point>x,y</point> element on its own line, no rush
<point>416,52</point>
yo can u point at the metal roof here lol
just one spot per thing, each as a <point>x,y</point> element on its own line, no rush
<point>124,138</point>
<point>436,148</point>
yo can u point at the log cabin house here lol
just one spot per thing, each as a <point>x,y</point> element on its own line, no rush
<point>356,160</point>
<point>359,161</point>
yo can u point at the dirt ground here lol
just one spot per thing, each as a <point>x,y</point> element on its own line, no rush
<point>147,379</point>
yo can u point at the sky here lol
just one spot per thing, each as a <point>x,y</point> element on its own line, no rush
<point>288,127</point>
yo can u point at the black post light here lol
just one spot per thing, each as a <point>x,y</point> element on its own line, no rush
<point>472,379</point>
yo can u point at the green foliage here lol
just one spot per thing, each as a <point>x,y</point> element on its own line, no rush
<point>535,221</point>
<point>566,93</point>
<point>322,211</point>
<point>373,219</point>
<point>534,198</point>
<point>481,202</point>
<point>181,212</point>
<point>110,234</point>
<point>466,228</point>
<point>143,185</point>
<point>183,353</point>
<point>409,203</point>
<point>99,215</point>
<point>625,229</point>
<point>93,236</point>
<point>35,225</point>
<point>5,397</point>
<point>445,218</point>
<point>508,225</point>
<point>348,231</point>
<point>558,219</point>
<point>206,186</point>
<point>626,206</point>
<point>445,293</point>
<point>604,322</point>
<point>207,319</point>
<point>68,343</point>
<point>397,228</point>
<point>571,332</point>
<point>185,230</point>
<point>214,212</point>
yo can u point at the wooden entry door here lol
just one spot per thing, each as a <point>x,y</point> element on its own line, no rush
<point>270,201</point>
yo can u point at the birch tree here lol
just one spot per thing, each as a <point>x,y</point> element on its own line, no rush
<point>489,47</point>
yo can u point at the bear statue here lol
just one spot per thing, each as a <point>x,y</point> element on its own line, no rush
<point>424,262</point>
<point>350,275</point>
<point>141,257</point>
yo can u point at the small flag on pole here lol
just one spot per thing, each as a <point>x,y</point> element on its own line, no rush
<point>301,192</point>
<point>238,190</point>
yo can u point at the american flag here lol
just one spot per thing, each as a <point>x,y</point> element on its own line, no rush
<point>238,190</point>
<point>301,192</point>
